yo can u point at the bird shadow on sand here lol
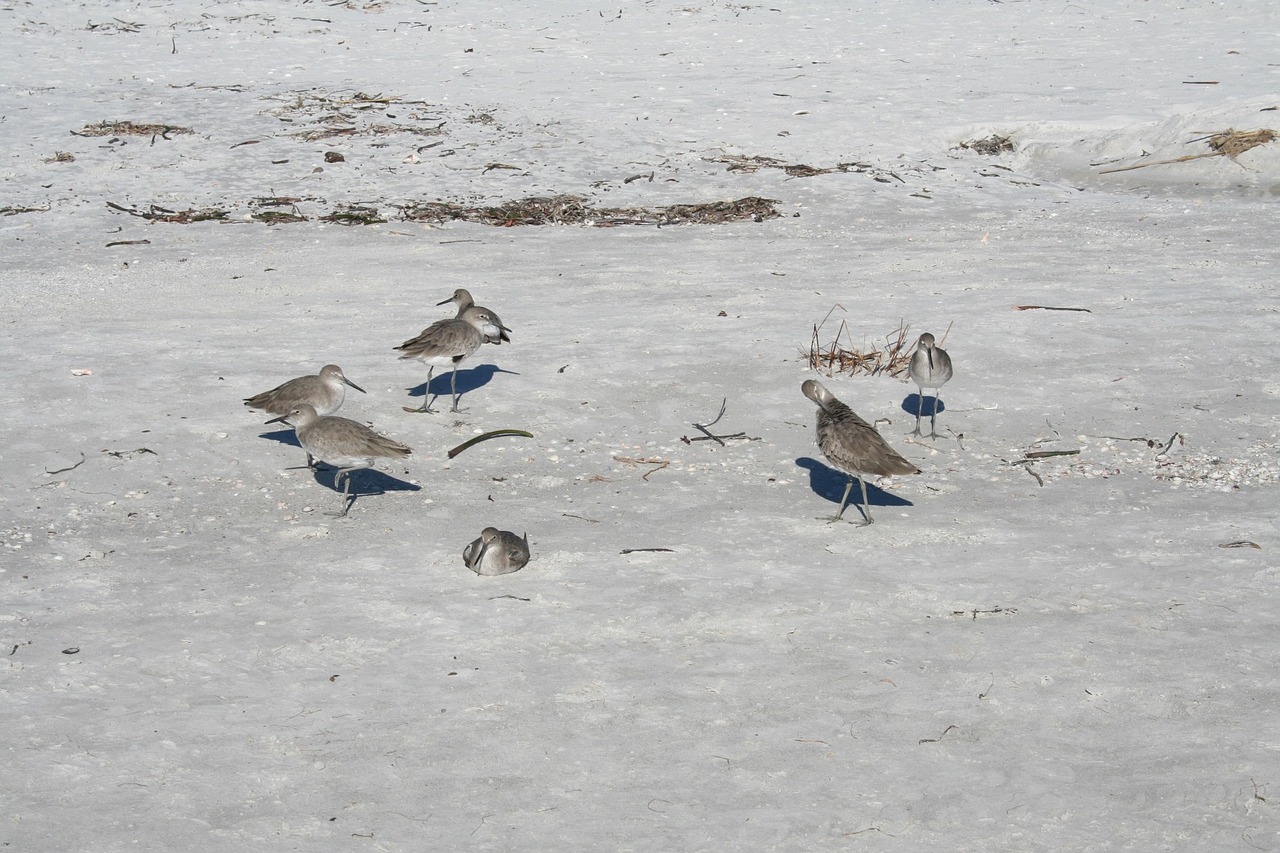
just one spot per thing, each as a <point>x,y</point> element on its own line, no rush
<point>826,482</point>
<point>469,379</point>
<point>929,406</point>
<point>366,481</point>
<point>284,436</point>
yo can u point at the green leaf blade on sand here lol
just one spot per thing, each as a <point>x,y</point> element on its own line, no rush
<point>485,437</point>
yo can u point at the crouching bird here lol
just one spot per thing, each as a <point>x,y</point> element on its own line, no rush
<point>497,552</point>
<point>852,445</point>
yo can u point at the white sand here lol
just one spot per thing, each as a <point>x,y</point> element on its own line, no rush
<point>196,657</point>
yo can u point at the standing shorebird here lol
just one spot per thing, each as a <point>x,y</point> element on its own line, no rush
<point>323,391</point>
<point>495,332</point>
<point>930,368</point>
<point>449,342</point>
<point>852,445</point>
<point>497,552</point>
<point>340,442</point>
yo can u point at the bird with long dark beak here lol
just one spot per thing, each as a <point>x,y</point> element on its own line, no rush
<point>340,442</point>
<point>324,391</point>
<point>495,332</point>
<point>449,342</point>
<point>930,367</point>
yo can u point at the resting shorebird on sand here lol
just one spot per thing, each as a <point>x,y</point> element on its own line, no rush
<point>930,368</point>
<point>449,342</point>
<point>852,445</point>
<point>340,442</point>
<point>497,552</point>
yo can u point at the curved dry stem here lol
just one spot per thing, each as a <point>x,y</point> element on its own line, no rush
<point>485,437</point>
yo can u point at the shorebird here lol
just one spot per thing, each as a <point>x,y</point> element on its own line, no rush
<point>497,552</point>
<point>852,445</point>
<point>449,342</point>
<point>323,391</point>
<point>495,332</point>
<point>930,368</point>
<point>340,442</point>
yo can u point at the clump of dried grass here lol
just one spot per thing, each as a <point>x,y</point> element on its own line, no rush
<point>575,210</point>
<point>130,128</point>
<point>1233,143</point>
<point>891,356</point>
<point>1228,143</point>
<point>990,146</point>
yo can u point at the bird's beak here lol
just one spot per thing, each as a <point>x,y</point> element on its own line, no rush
<point>474,555</point>
<point>354,385</point>
<point>281,419</point>
<point>445,302</point>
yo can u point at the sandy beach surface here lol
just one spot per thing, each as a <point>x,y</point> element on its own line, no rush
<point>1060,635</point>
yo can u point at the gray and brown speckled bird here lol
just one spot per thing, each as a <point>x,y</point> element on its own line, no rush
<point>852,445</point>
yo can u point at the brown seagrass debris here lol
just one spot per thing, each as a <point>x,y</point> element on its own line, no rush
<point>154,213</point>
<point>129,128</point>
<point>354,215</point>
<point>990,146</point>
<point>748,164</point>
<point>574,210</point>
<point>1228,143</point>
<point>556,210</point>
<point>341,114</point>
<point>841,355</point>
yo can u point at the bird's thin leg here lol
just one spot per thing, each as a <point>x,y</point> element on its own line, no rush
<point>311,462</point>
<point>453,386</point>
<point>426,394</point>
<point>933,416</point>
<point>843,502</point>
<point>338,478</point>
<point>347,498</point>
<point>866,507</point>
<point>919,408</point>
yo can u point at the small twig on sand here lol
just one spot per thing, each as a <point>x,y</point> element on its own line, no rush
<point>1026,466</point>
<point>939,737</point>
<point>1242,543</point>
<point>65,470</point>
<point>636,550</point>
<point>703,428</point>
<point>707,435</point>
<point>1045,454</point>
<point>580,517</point>
<point>1048,308</point>
<point>120,454</point>
<point>660,463</point>
<point>976,612</point>
<point>1149,442</point>
<point>943,342</point>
